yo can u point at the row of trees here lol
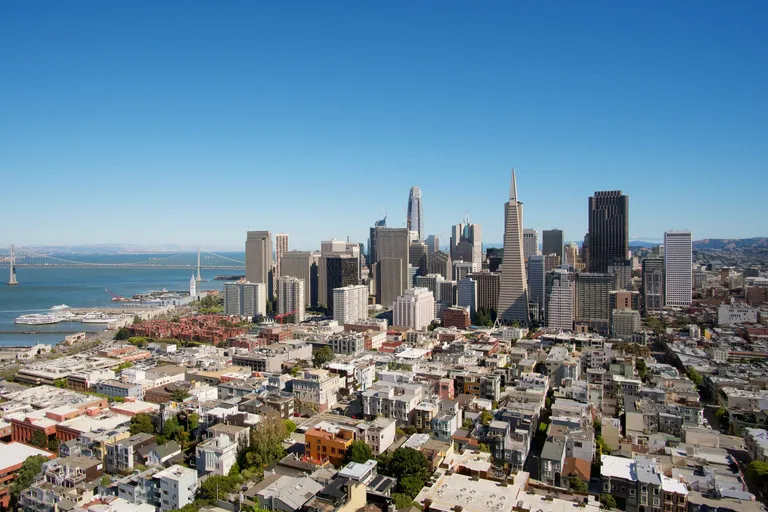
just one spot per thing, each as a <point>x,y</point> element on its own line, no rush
<point>172,429</point>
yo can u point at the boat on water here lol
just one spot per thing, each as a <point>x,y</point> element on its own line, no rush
<point>94,317</point>
<point>60,307</point>
<point>37,319</point>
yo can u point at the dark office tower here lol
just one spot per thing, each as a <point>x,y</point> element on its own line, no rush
<point>652,287</point>
<point>418,257</point>
<point>440,263</point>
<point>416,213</point>
<point>392,260</point>
<point>340,271</point>
<point>584,251</point>
<point>513,290</point>
<point>608,229</point>
<point>313,284</point>
<point>552,242</point>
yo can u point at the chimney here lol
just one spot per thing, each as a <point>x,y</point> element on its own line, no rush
<point>427,505</point>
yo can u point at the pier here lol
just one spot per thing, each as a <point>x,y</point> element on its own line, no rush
<point>41,332</point>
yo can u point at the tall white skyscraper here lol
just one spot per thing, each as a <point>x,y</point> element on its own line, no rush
<point>678,257</point>
<point>416,213</point>
<point>245,299</point>
<point>415,309</point>
<point>513,292</point>
<point>290,297</point>
<point>560,299</point>
<point>530,243</point>
<point>467,294</point>
<point>281,247</point>
<point>350,303</point>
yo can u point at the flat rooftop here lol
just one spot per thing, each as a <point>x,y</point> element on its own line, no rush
<point>13,454</point>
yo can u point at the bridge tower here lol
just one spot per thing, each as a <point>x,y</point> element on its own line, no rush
<point>12,265</point>
<point>198,266</point>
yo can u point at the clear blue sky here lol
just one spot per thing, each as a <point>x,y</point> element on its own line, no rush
<point>191,122</point>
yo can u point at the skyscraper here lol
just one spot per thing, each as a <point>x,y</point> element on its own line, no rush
<point>350,303</point>
<point>536,280</point>
<point>467,244</point>
<point>299,264</point>
<point>392,260</point>
<point>433,244</point>
<point>608,229</point>
<point>487,289</point>
<point>416,212</point>
<point>281,247</point>
<point>677,268</point>
<point>290,297</point>
<point>592,300</point>
<point>652,287</point>
<point>552,242</point>
<point>245,299</point>
<point>340,271</point>
<point>560,299</point>
<point>258,256</point>
<point>467,294</point>
<point>530,243</point>
<point>513,293</point>
<point>440,263</point>
<point>414,309</point>
<point>571,254</point>
<point>417,255</point>
<point>334,249</point>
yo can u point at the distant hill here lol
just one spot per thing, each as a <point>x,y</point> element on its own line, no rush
<point>731,243</point>
<point>639,244</point>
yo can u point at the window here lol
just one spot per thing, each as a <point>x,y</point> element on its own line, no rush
<point>632,492</point>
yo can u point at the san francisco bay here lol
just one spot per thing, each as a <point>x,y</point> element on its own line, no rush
<point>39,289</point>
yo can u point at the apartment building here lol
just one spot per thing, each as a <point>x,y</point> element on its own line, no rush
<point>317,389</point>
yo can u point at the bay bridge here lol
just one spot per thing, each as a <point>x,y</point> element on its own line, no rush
<point>19,257</point>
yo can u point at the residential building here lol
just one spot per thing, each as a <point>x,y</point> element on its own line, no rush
<point>530,243</point>
<point>281,247</point>
<point>624,322</point>
<point>640,485</point>
<point>487,289</point>
<point>756,443</point>
<point>298,264</point>
<point>216,456</point>
<point>416,213</point>
<point>414,309</point>
<point>350,303</point>
<point>347,344</point>
<point>467,294</point>
<point>560,297</point>
<point>122,454</point>
<point>608,229</point>
<point>316,389</point>
<point>392,260</point>
<point>379,434</point>
<point>392,400</point>
<point>592,300</point>
<point>328,441</point>
<point>457,316</point>
<point>284,493</point>
<point>272,357</point>
<point>177,487</point>
<point>552,461</point>
<point>258,256</point>
<point>678,274</point>
<point>552,242</point>
<point>245,299</point>
<point>290,298</point>
<point>513,293</point>
<point>652,287</point>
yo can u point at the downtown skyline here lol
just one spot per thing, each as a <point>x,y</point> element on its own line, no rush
<point>369,102</point>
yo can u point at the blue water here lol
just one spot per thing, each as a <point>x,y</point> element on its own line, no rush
<point>41,288</point>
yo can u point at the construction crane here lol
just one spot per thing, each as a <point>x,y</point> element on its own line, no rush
<point>284,315</point>
<point>115,298</point>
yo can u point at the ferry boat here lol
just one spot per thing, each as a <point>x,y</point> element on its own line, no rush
<point>95,317</point>
<point>37,319</point>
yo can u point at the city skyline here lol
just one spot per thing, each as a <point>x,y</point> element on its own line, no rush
<point>124,118</point>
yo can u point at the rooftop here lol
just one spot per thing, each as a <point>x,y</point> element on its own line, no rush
<point>12,454</point>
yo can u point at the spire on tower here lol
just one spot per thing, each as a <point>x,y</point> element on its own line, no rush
<point>513,188</point>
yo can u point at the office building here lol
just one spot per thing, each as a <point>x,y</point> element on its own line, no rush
<point>608,229</point>
<point>462,269</point>
<point>440,263</point>
<point>551,261</point>
<point>652,287</point>
<point>621,270</point>
<point>592,301</point>
<point>458,317</point>
<point>560,299</point>
<point>467,244</point>
<point>299,264</point>
<point>624,299</point>
<point>372,240</point>
<point>330,249</point>
<point>414,309</point>
<point>417,255</point>
<point>536,281</point>
<point>552,242</point>
<point>340,271</point>
<point>416,213</point>
<point>290,297</point>
<point>350,303</point>
<point>624,323</point>
<point>530,243</point>
<point>448,292</point>
<point>513,293</point>
<point>431,282</point>
<point>245,299</point>
<point>466,291</point>
<point>678,274</point>
<point>487,289</point>
<point>281,247</point>
<point>258,256</point>
<point>433,244</point>
<point>571,254</point>
<point>392,260</point>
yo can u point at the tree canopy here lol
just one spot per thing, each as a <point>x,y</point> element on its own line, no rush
<point>265,444</point>
<point>321,356</point>
<point>359,451</point>
<point>142,423</point>
<point>409,466</point>
<point>26,475</point>
<point>608,501</point>
<point>39,439</point>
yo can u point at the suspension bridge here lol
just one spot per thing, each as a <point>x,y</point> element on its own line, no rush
<point>19,257</point>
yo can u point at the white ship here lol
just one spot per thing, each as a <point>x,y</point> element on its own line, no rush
<point>94,317</point>
<point>60,307</point>
<point>37,319</point>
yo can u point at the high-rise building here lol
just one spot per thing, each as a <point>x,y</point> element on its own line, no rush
<point>340,271</point>
<point>652,288</point>
<point>372,241</point>
<point>678,273</point>
<point>448,292</point>
<point>560,299</point>
<point>350,303</point>
<point>624,323</point>
<point>440,263</point>
<point>290,297</point>
<point>536,281</point>
<point>299,264</point>
<point>551,261</point>
<point>608,229</point>
<point>513,293</point>
<point>433,244</point>
<point>281,247</point>
<point>417,255</point>
<point>571,254</point>
<point>414,309</point>
<point>330,249</point>
<point>258,256</point>
<point>487,289</point>
<point>621,270</point>
<point>467,294</point>
<point>416,213</point>
<point>245,299</point>
<point>530,243</point>
<point>592,300</point>
<point>624,299</point>
<point>462,269</point>
<point>392,260</point>
<point>467,244</point>
<point>432,283</point>
<point>552,242</point>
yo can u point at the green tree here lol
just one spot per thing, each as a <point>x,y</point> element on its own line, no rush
<point>295,371</point>
<point>136,320</point>
<point>53,445</point>
<point>216,487</point>
<point>290,426</point>
<point>409,462</point>
<point>486,417</point>
<point>467,424</point>
<point>641,367</point>
<point>193,420</point>
<point>122,334</point>
<point>695,376</point>
<point>39,439</point>
<point>400,432</point>
<point>26,475</point>
<point>142,423</point>
<point>265,444</point>
<point>608,501</point>
<point>179,395</point>
<point>758,473</point>
<point>359,451</point>
<point>171,430</point>
<point>543,426</point>
<point>485,448</point>
<point>321,356</point>
<point>402,500</point>
<point>60,383</point>
<point>105,480</point>
<point>577,485</point>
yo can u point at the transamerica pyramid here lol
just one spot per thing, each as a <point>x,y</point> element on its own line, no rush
<point>513,289</point>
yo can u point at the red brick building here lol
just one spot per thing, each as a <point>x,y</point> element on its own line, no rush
<point>456,317</point>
